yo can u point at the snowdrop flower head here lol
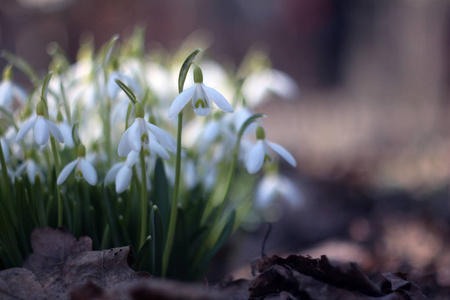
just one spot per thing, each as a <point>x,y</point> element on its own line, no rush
<point>200,96</point>
<point>66,131</point>
<point>122,172</point>
<point>259,153</point>
<point>9,91</point>
<point>42,127</point>
<point>273,186</point>
<point>83,169</point>
<point>31,169</point>
<point>137,135</point>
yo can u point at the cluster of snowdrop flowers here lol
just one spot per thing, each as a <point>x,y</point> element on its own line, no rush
<point>108,148</point>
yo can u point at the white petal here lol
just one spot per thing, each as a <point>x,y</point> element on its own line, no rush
<point>111,175</point>
<point>31,171</point>
<point>283,153</point>
<point>41,134</point>
<point>218,99</point>
<point>66,132</point>
<point>180,101</point>
<point>155,147</point>
<point>25,129</point>
<point>6,93</point>
<point>54,131</point>
<point>132,158</point>
<point>202,111</point>
<point>163,137</point>
<point>20,169</point>
<point>5,149</point>
<point>65,172</point>
<point>255,157</point>
<point>88,171</point>
<point>134,136</point>
<point>123,179</point>
<point>124,145</point>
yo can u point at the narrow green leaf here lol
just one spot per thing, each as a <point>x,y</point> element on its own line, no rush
<point>142,256</point>
<point>158,241</point>
<point>108,50</point>
<point>75,136</point>
<point>247,122</point>
<point>185,68</point>
<point>21,64</point>
<point>45,87</point>
<point>111,218</point>
<point>127,90</point>
<point>161,193</point>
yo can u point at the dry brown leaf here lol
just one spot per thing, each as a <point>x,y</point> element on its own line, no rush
<point>60,263</point>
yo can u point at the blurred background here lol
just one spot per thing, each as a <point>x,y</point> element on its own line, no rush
<point>370,129</point>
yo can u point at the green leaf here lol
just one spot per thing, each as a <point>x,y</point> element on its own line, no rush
<point>185,68</point>
<point>75,136</point>
<point>161,193</point>
<point>45,88</point>
<point>21,64</point>
<point>158,241</point>
<point>127,90</point>
<point>247,122</point>
<point>111,218</point>
<point>143,254</point>
<point>108,50</point>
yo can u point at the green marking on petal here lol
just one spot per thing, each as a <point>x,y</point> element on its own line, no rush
<point>78,175</point>
<point>267,158</point>
<point>144,138</point>
<point>200,102</point>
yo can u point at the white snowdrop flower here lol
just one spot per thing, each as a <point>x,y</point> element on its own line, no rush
<point>66,131</point>
<point>274,186</point>
<point>83,169</point>
<point>122,172</point>
<point>258,86</point>
<point>31,169</point>
<point>190,174</point>
<point>5,148</point>
<point>260,153</point>
<point>42,128</point>
<point>201,97</point>
<point>9,91</point>
<point>137,135</point>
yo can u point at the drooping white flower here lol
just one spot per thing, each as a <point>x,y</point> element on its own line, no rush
<point>259,85</point>
<point>31,169</point>
<point>9,91</point>
<point>83,169</point>
<point>42,128</point>
<point>66,131</point>
<point>274,186</point>
<point>137,135</point>
<point>200,95</point>
<point>260,153</point>
<point>5,148</point>
<point>122,172</point>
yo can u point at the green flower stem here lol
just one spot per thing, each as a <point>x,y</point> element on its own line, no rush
<point>108,131</point>
<point>173,213</point>
<point>5,176</point>
<point>144,208</point>
<point>57,169</point>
